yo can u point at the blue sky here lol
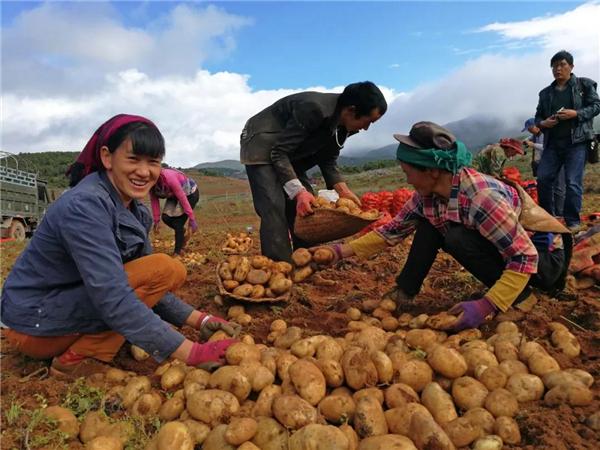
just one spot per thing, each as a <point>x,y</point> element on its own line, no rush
<point>201,69</point>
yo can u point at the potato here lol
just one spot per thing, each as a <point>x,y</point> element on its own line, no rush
<point>235,311</point>
<point>399,395</point>
<point>380,313</point>
<point>574,394</point>
<point>566,342</point>
<point>489,442</point>
<point>479,357</point>
<point>171,409</point>
<point>248,446</point>
<point>104,443</point>
<point>387,442</point>
<point>284,361</point>
<point>258,375</point>
<point>491,377</point>
<point>260,262</point>
<point>350,435</point>
<point>270,435</point>
<point>138,353</point>
<point>439,403</point>
<point>441,321</point>
<point>462,431</point>
<point>582,375</point>
<point>173,377</point>
<point>318,437</point>
<point>525,387</point>
<point>92,425</point>
<point>345,202</point>
<point>389,323</point>
<point>426,433</point>
<point>474,344</point>
<point>568,376</point>
<point>231,379</point>
<point>282,267</point>
<point>526,349</point>
<point>240,351</point>
<point>383,365</point>
<point>470,334</point>
<point>505,350</point>
<point>258,276</point>
<point>114,375</point>
<point>373,392</point>
<point>212,406</point>
<point>230,285</point>
<point>134,389</point>
<point>280,286</point>
<point>304,348</point>
<point>447,362</point>
<point>240,430</point>
<point>146,405</point>
<point>301,257</point>
<point>369,419</point>
<point>174,436</point>
<point>120,430</point>
<point>323,255</point>
<point>264,402</point>
<point>294,412</point>
<point>482,418</point>
<point>510,367</point>
<point>243,290</point>
<point>359,370</point>
<point>508,430</point>
<point>399,419</point>
<point>353,313</point>
<point>507,327</point>
<point>501,402</point>
<point>593,421</point>
<point>308,381</point>
<point>416,373</point>
<point>242,270</point>
<point>541,363</point>
<point>332,371</point>
<point>330,349</point>
<point>233,261</point>
<point>198,376</point>
<point>337,409</point>
<point>225,272</point>
<point>468,393</point>
<point>421,339</point>
<point>216,439</point>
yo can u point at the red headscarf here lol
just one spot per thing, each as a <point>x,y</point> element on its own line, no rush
<point>89,160</point>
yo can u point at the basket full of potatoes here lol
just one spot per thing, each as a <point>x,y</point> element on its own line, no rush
<point>333,220</point>
<point>254,279</point>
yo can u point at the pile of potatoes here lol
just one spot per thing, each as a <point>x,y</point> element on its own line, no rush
<point>255,277</point>
<point>306,263</point>
<point>192,259</point>
<point>389,383</point>
<point>239,244</point>
<point>347,206</point>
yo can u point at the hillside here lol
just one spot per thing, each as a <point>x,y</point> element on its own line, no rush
<point>50,166</point>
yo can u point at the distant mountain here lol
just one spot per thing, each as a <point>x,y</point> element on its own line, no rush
<point>225,164</point>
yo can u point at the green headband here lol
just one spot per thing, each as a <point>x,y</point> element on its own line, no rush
<point>451,160</point>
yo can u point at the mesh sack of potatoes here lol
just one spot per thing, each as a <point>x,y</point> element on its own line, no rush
<point>254,279</point>
<point>331,221</point>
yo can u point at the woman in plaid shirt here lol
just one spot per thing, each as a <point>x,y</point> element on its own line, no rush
<point>477,219</point>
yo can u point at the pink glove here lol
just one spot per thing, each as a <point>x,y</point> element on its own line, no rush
<point>304,199</point>
<point>473,314</point>
<point>209,325</point>
<point>209,355</point>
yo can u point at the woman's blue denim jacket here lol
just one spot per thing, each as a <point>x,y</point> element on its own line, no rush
<point>70,278</point>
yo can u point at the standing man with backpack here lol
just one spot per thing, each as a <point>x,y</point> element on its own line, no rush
<point>565,114</point>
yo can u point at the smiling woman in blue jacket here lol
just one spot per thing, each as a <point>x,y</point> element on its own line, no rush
<point>87,281</point>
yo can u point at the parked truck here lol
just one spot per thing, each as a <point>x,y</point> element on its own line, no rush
<point>23,198</point>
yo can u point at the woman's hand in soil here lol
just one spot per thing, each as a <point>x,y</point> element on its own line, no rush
<point>209,325</point>
<point>210,355</point>
<point>472,313</point>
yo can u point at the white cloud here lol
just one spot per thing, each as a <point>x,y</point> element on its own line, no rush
<point>201,114</point>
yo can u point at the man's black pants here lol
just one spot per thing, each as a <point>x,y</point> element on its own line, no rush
<point>475,253</point>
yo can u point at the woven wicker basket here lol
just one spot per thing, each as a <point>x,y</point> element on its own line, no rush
<point>282,298</point>
<point>326,225</point>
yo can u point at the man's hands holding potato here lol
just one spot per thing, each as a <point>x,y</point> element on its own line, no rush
<point>304,201</point>
<point>344,192</point>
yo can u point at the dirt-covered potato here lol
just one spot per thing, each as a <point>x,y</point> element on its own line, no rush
<point>270,435</point>
<point>258,276</point>
<point>468,393</point>
<point>371,338</point>
<point>489,442</point>
<point>415,373</point>
<point>171,409</point>
<point>138,353</point>
<point>423,339</point>
<point>574,394</point>
<point>231,379</point>
<point>242,269</point>
<point>173,377</point>
<point>505,350</point>
<point>528,348</point>
<point>508,429</point>
<point>240,351</point>
<point>399,394</point>
<point>225,272</point>
<point>369,419</point>
<point>260,262</point>
<point>510,367</point>
<point>426,433</point>
<point>308,381</point>
<point>280,286</point>
<point>282,267</point>
<point>491,377</point>
<point>462,431</point>
<point>568,376</point>
<point>323,255</point>
<point>525,387</point>
<point>332,371</point>
<point>284,361</point>
<point>133,390</point>
<point>216,439</point>
<point>501,402</point>
<point>318,437</point>
<point>230,285</point>
<point>383,364</point>
<point>212,406</point>
<point>301,257</point>
<point>243,290</point>
<point>240,430</point>
<point>146,405</point>
<point>294,412</point>
<point>441,321</point>
<point>198,430</point>
<point>302,274</point>
<point>350,435</point>
<point>346,202</point>
<point>373,392</point>
<point>482,418</point>
<point>92,425</point>
<point>359,370</point>
<point>387,441</point>
<point>566,342</point>
<point>447,362</point>
<point>337,409</point>
<point>198,376</point>
<point>479,357</point>
<point>65,420</point>
<point>248,446</point>
<point>264,402</point>
<point>330,349</point>
<point>174,435</point>
<point>104,443</point>
<point>258,375</point>
<point>439,403</point>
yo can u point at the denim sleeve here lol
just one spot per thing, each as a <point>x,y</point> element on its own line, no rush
<point>87,233</point>
<point>173,309</point>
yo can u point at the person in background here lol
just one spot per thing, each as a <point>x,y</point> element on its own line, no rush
<point>565,114</point>
<point>282,142</point>
<point>87,281</point>
<point>182,195</point>
<point>476,218</point>
<point>536,144</point>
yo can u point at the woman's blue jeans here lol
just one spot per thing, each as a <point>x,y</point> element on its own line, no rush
<point>572,157</point>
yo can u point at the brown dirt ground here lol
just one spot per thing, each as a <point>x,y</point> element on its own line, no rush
<point>320,309</point>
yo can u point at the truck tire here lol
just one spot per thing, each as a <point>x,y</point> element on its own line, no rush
<point>17,230</point>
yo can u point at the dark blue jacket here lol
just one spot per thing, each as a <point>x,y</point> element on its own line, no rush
<point>70,278</point>
<point>585,102</point>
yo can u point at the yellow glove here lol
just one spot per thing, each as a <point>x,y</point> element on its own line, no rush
<point>508,287</point>
<point>368,244</point>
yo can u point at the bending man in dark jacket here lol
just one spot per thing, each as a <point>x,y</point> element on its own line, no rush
<point>565,114</point>
<point>296,133</point>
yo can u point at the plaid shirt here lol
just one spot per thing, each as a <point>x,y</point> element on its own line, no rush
<point>479,202</point>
